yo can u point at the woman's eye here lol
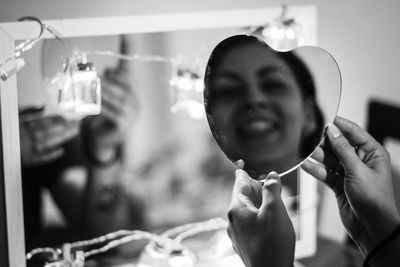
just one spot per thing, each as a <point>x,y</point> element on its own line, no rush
<point>273,86</point>
<point>226,89</point>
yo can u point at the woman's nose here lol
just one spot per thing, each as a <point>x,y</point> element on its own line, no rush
<point>254,96</point>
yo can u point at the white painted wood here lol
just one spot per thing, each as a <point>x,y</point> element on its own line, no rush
<point>305,15</point>
<point>11,166</point>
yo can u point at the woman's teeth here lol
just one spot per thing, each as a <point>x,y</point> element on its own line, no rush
<point>257,127</point>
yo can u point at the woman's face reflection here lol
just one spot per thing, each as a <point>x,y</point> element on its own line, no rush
<point>257,109</point>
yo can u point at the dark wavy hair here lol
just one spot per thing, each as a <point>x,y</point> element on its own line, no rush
<point>299,69</point>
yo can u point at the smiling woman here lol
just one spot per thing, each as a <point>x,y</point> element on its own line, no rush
<point>262,105</point>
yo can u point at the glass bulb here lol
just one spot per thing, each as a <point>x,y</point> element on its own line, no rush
<point>282,35</point>
<point>76,92</point>
<point>187,93</point>
<point>158,256</point>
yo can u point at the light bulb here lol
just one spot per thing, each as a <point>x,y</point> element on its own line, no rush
<point>187,93</point>
<point>76,92</point>
<point>180,261</point>
<point>160,256</point>
<point>282,34</point>
<point>290,34</point>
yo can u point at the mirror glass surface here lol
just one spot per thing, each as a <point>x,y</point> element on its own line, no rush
<point>269,108</point>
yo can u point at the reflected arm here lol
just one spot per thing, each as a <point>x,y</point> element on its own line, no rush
<point>91,196</point>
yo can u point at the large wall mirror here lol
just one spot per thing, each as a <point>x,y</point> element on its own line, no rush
<point>172,168</point>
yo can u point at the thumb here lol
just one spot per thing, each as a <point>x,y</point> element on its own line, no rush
<point>239,164</point>
<point>242,183</point>
<point>123,50</point>
<point>341,147</point>
<point>271,190</point>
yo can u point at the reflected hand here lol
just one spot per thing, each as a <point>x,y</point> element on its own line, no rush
<point>259,225</point>
<point>42,138</point>
<point>118,110</point>
<point>363,187</point>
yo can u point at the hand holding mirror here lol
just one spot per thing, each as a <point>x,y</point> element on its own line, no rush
<point>269,108</point>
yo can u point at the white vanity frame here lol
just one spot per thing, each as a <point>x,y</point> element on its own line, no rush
<point>12,246</point>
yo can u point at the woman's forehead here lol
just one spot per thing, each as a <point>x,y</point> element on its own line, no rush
<point>251,57</point>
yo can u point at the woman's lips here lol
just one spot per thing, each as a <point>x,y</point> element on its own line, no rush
<point>256,127</point>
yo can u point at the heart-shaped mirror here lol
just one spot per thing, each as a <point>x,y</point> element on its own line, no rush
<point>269,108</point>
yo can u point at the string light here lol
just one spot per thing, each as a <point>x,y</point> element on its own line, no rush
<point>13,64</point>
<point>282,34</point>
<point>75,91</point>
<point>186,84</point>
<point>187,93</point>
<point>169,249</point>
<point>166,249</point>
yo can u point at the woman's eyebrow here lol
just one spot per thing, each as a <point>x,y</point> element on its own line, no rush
<point>227,74</point>
<point>267,70</point>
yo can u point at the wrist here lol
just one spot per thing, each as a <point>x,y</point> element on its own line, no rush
<point>386,253</point>
<point>381,229</point>
<point>106,155</point>
<point>99,151</point>
<point>103,153</point>
<point>282,258</point>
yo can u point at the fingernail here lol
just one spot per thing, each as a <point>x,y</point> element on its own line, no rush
<point>272,178</point>
<point>333,131</point>
<point>239,164</point>
<point>273,175</point>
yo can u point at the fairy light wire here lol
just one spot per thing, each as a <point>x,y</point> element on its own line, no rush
<point>135,57</point>
<point>19,49</point>
<point>28,44</point>
<point>136,235</point>
<point>23,47</point>
<point>121,237</point>
<point>170,239</point>
<point>211,225</point>
<point>177,234</point>
<point>179,229</point>
<point>101,239</point>
<point>54,252</point>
